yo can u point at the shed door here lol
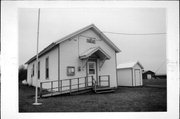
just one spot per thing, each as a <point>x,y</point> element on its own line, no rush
<point>149,76</point>
<point>137,77</point>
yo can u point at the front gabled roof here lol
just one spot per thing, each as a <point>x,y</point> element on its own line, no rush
<point>129,65</point>
<point>92,26</point>
<point>93,50</point>
<point>45,50</point>
<point>148,72</point>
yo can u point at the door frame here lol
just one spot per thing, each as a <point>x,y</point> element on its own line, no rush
<point>139,76</point>
<point>93,60</point>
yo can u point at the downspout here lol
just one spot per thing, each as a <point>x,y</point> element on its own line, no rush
<point>58,66</point>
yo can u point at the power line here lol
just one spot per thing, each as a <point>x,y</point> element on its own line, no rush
<point>133,33</point>
<point>160,66</point>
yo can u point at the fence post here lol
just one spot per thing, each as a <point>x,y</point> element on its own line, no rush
<point>109,80</point>
<point>70,85</point>
<point>51,87</point>
<point>58,86</point>
<point>95,84</point>
<point>40,89</point>
<point>99,80</point>
<point>78,84</point>
<point>85,81</point>
<point>61,86</point>
<point>92,80</point>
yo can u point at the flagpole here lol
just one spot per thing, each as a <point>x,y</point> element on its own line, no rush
<point>36,89</point>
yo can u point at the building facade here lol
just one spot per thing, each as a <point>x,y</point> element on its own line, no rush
<point>86,52</point>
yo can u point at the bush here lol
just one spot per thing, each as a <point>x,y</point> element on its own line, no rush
<point>22,73</point>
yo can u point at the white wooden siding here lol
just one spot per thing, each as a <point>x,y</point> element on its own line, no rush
<point>69,51</point>
<point>109,67</point>
<point>53,68</point>
<point>69,56</point>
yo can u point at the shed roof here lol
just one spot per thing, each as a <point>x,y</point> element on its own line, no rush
<point>129,65</point>
<point>92,26</point>
<point>148,72</point>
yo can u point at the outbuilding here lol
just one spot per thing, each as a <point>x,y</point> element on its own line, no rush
<point>130,74</point>
<point>148,75</point>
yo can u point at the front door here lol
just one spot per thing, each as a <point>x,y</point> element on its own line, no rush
<point>91,69</point>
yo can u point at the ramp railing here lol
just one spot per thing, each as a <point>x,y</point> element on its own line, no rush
<point>66,85</point>
<point>104,81</point>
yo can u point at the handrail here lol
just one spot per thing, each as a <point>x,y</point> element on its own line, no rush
<point>94,83</point>
<point>63,79</point>
<point>107,80</point>
<point>104,75</point>
<point>61,86</point>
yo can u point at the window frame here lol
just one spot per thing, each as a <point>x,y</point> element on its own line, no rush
<point>39,66</point>
<point>70,73</point>
<point>47,68</point>
<point>32,73</point>
<point>89,68</point>
<point>91,40</point>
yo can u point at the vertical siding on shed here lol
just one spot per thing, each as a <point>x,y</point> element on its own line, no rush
<point>125,77</point>
<point>140,82</point>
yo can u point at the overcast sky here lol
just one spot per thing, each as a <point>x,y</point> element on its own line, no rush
<point>149,50</point>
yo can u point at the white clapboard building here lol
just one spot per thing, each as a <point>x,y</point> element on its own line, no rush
<point>72,61</point>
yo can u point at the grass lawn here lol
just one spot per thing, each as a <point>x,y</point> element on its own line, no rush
<point>124,99</point>
<point>155,82</point>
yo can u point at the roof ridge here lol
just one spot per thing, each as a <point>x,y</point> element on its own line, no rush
<point>105,38</point>
<point>78,30</point>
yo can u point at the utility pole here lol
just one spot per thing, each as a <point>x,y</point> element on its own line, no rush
<point>36,89</point>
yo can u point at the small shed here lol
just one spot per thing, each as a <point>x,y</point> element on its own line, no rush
<point>130,74</point>
<point>148,75</point>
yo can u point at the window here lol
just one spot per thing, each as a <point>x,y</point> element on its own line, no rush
<point>91,68</point>
<point>47,68</point>
<point>38,70</point>
<point>32,74</point>
<point>70,71</point>
<point>91,40</point>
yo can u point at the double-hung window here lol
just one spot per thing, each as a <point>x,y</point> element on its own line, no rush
<point>38,70</point>
<point>70,71</point>
<point>32,73</point>
<point>47,68</point>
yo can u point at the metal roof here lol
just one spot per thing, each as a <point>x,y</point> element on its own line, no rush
<point>92,26</point>
<point>129,65</point>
